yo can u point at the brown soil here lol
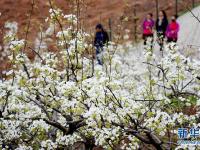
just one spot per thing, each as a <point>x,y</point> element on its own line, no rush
<point>92,12</point>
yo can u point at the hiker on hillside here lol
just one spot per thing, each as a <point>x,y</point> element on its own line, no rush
<point>172,30</point>
<point>101,40</point>
<point>147,26</point>
<point>161,27</point>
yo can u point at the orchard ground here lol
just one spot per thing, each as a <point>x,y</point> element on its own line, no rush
<point>136,100</point>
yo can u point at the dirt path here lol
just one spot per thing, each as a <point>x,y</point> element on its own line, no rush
<point>189,29</point>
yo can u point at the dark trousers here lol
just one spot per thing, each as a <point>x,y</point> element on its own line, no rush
<point>161,37</point>
<point>146,36</point>
<point>99,54</point>
<point>169,40</point>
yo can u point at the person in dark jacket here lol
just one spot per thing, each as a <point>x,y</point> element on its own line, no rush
<point>8,147</point>
<point>101,40</point>
<point>161,27</point>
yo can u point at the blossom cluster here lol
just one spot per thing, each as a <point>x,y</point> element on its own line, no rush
<point>63,98</point>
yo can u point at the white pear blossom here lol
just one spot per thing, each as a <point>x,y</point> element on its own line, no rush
<point>63,99</point>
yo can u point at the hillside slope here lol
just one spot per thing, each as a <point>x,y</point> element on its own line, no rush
<point>92,12</point>
<point>190,29</point>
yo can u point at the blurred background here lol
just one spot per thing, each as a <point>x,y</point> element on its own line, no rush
<point>117,16</point>
<point>111,13</point>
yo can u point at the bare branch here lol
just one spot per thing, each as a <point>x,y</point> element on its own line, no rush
<point>196,17</point>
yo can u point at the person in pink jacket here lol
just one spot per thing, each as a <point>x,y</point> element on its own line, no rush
<point>147,26</point>
<point>172,30</point>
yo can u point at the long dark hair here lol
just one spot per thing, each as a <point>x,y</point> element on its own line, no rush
<point>100,26</point>
<point>164,14</point>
